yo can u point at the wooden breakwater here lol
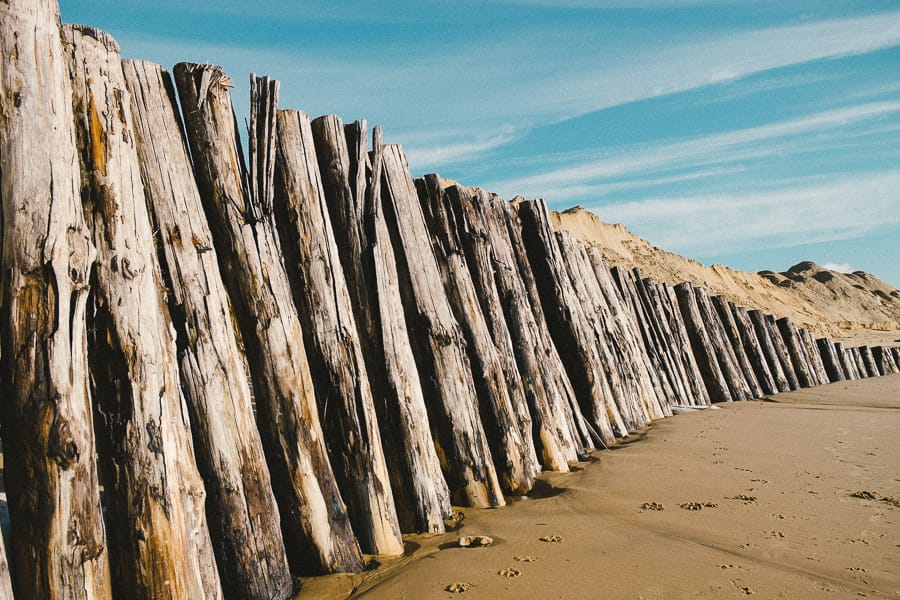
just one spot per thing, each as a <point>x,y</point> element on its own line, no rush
<point>220,374</point>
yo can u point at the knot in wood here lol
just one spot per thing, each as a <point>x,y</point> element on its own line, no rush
<point>154,435</point>
<point>61,444</point>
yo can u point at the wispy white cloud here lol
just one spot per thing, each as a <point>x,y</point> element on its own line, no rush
<point>647,161</point>
<point>434,152</point>
<point>826,210</point>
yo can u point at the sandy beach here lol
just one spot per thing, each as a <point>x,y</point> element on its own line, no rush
<point>795,496</point>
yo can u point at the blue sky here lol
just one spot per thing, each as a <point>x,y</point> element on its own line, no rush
<point>755,133</point>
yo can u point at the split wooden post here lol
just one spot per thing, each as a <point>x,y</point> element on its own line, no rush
<point>158,533</point>
<point>421,496</point>
<point>339,371</point>
<point>245,525</point>
<point>704,350</point>
<point>779,359</point>
<point>734,375</point>
<point>58,537</point>
<point>754,351</point>
<point>815,357</point>
<point>503,409</point>
<point>569,327</point>
<point>438,342</point>
<point>317,532</point>
<point>796,352</point>
<point>492,260</point>
<point>830,360</point>
<point>733,335</point>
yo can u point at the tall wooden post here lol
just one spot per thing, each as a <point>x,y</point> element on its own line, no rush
<point>317,532</point>
<point>244,521</point>
<point>339,372</point>
<point>58,547</point>
<point>421,496</point>
<point>156,499</point>
<point>703,346</point>
<point>504,412</point>
<point>437,340</point>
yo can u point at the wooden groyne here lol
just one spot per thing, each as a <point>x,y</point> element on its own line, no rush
<point>221,371</point>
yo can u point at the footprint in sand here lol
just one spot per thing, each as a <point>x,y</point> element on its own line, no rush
<point>698,505</point>
<point>525,559</point>
<point>509,573</point>
<point>744,498</point>
<point>459,588</point>
<point>652,506</point>
<point>551,539</point>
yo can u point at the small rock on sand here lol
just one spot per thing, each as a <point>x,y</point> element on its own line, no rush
<point>475,540</point>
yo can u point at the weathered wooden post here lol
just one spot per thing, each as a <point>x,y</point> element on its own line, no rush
<point>734,375</point>
<point>569,327</point>
<point>776,352</point>
<point>865,352</point>
<point>704,351</point>
<point>158,532</point>
<point>848,367</point>
<point>421,496</point>
<point>503,409</point>
<point>339,372</point>
<point>58,544</point>
<point>856,353</point>
<point>693,378</point>
<point>245,525</point>
<point>438,342</point>
<point>814,356</point>
<point>754,351</point>
<point>733,336</point>
<point>317,532</point>
<point>830,360</point>
<point>797,353</point>
<point>492,258</point>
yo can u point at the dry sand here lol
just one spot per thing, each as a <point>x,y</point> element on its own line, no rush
<point>781,521</point>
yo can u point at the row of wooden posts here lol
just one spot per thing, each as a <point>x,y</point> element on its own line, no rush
<point>218,377</point>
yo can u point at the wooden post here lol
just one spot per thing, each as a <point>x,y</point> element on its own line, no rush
<point>339,372</point>
<point>830,360</point>
<point>317,532</point>
<point>245,525</point>
<point>865,353</point>
<point>625,340</point>
<point>734,336</point>
<point>503,409</point>
<point>58,547</point>
<point>895,353</point>
<point>506,225</point>
<point>421,496</point>
<point>731,369</point>
<point>707,361</point>
<point>883,360</point>
<point>771,350</point>
<point>440,348</point>
<point>635,414</point>
<point>491,258</point>
<point>781,350</point>
<point>156,499</point>
<point>6,590</point>
<point>847,365</point>
<point>796,351</point>
<point>684,354</point>
<point>753,350</point>
<point>856,353</point>
<point>569,327</point>
<point>815,357</point>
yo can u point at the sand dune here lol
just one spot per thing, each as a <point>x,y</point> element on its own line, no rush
<point>798,498</point>
<point>857,307</point>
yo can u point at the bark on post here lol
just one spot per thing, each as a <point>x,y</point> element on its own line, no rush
<point>754,351</point>
<point>156,508</point>
<point>734,337</point>
<point>58,547</point>
<point>438,342</point>
<point>421,496</point>
<point>244,521</point>
<point>317,532</point>
<point>796,352</point>
<point>339,372</point>
<point>569,327</point>
<point>830,360</point>
<point>708,363</point>
<point>503,409</point>
<point>491,256</point>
